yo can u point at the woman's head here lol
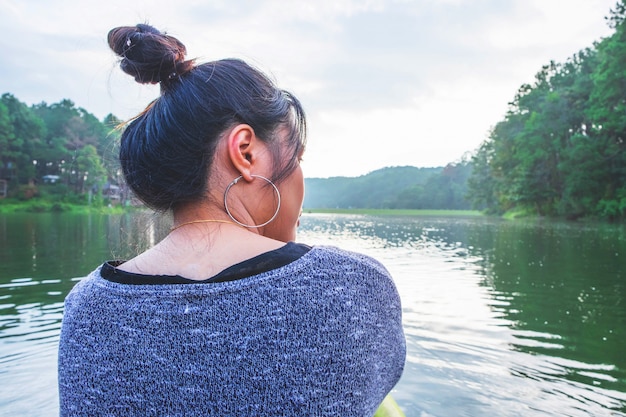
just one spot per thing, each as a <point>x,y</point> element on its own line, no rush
<point>167,151</point>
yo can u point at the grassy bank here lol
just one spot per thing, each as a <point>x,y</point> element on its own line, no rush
<point>394,212</point>
<point>42,206</point>
<point>36,205</point>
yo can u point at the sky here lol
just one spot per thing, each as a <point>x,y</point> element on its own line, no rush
<point>383,82</point>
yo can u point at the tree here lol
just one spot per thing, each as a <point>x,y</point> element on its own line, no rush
<point>109,147</point>
<point>89,171</point>
<point>482,183</point>
<point>7,139</point>
<point>58,139</point>
<point>71,134</point>
<point>19,142</point>
<point>560,148</point>
<point>607,110</point>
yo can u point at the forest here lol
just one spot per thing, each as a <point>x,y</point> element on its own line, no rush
<point>394,188</point>
<point>560,150</point>
<point>56,152</point>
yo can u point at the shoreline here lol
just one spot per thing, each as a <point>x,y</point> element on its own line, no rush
<point>10,206</point>
<point>395,212</point>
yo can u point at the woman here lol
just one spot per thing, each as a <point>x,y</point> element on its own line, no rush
<point>226,315</point>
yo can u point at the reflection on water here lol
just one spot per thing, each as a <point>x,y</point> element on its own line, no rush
<point>507,319</point>
<point>41,257</point>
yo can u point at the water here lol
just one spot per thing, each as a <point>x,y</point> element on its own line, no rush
<point>501,318</point>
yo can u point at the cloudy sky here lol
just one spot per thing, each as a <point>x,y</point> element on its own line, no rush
<point>384,82</point>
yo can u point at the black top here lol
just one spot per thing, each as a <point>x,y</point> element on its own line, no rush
<point>253,266</point>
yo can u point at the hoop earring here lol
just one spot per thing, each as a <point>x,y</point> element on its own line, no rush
<point>235,181</point>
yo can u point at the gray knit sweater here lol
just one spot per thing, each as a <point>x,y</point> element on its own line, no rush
<point>321,336</point>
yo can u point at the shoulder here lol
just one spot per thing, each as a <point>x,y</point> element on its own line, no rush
<point>345,255</point>
<point>347,260</point>
<point>362,299</point>
<point>357,273</point>
<point>84,287</point>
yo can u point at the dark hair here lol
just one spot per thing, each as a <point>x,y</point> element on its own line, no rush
<point>167,150</point>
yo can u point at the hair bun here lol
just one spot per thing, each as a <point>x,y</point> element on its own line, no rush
<point>147,54</point>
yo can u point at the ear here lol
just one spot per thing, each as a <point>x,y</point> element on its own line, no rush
<point>242,143</point>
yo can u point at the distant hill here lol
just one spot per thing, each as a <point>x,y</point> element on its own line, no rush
<point>378,189</point>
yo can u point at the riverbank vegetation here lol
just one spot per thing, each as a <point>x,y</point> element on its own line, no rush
<point>398,212</point>
<point>561,148</point>
<point>45,206</point>
<point>56,157</point>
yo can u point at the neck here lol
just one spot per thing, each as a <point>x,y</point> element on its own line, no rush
<point>200,217</point>
<point>179,225</point>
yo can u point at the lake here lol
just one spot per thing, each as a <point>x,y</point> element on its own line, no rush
<point>502,318</point>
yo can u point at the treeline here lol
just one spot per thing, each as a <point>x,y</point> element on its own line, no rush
<point>57,143</point>
<point>61,152</point>
<point>561,148</point>
<point>393,188</point>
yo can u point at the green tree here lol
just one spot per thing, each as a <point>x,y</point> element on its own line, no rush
<point>607,110</point>
<point>109,147</point>
<point>549,154</point>
<point>410,198</point>
<point>22,132</point>
<point>69,131</point>
<point>481,184</point>
<point>90,172</point>
<point>54,156</point>
<point>7,137</point>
